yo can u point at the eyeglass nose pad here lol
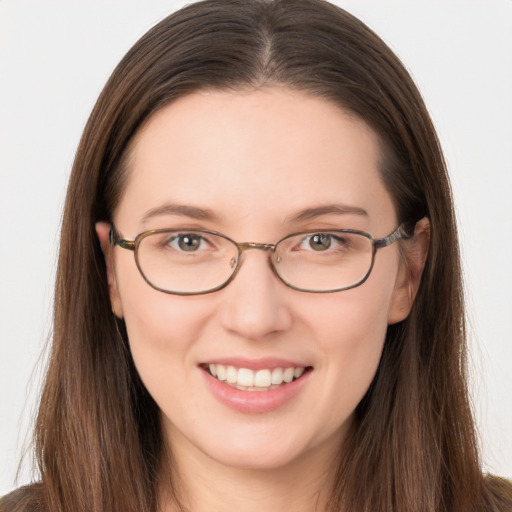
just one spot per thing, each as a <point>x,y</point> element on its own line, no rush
<point>232,262</point>
<point>278,259</point>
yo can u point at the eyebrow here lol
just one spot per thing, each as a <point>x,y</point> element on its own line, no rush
<point>329,209</point>
<point>206,214</point>
<point>180,209</point>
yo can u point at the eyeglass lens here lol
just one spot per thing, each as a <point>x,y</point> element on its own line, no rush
<point>199,261</point>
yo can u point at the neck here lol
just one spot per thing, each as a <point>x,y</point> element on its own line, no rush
<point>205,484</point>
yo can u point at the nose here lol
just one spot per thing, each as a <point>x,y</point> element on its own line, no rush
<point>254,304</point>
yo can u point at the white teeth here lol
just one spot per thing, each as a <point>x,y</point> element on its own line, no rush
<point>277,376</point>
<point>221,372</point>
<point>263,378</point>
<point>260,380</point>
<point>231,374</point>
<point>245,377</point>
<point>288,375</point>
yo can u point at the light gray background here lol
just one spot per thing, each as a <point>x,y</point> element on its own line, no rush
<point>54,59</point>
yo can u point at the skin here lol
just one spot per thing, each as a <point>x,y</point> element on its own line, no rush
<point>255,159</point>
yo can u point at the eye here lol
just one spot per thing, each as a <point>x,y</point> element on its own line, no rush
<point>188,242</point>
<point>322,242</point>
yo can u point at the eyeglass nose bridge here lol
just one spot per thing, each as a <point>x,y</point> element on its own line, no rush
<point>244,246</point>
<point>255,245</point>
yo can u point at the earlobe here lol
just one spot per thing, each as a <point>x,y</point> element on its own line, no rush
<point>408,281</point>
<point>103,231</point>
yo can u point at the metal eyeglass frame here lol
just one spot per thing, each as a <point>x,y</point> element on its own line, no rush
<point>115,238</point>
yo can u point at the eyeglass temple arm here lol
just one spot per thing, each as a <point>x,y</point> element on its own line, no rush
<point>401,232</point>
<point>114,239</point>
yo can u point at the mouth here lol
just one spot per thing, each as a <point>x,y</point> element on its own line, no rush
<point>264,379</point>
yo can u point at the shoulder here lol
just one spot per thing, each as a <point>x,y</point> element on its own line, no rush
<point>500,493</point>
<point>25,499</point>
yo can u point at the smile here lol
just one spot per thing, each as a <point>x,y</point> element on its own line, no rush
<point>246,379</point>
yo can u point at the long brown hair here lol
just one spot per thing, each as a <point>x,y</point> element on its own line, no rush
<point>98,438</point>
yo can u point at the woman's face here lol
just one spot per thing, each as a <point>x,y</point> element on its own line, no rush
<point>256,166</point>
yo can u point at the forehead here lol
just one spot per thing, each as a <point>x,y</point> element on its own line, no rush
<point>264,153</point>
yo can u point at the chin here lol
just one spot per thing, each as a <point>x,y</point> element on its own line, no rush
<point>257,458</point>
<point>271,449</point>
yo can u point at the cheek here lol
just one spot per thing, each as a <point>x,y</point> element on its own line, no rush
<point>350,331</point>
<point>161,325</point>
<point>355,342</point>
<point>161,330</point>
<point>352,322</point>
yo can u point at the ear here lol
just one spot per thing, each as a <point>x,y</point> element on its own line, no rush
<point>414,255</point>
<point>103,231</point>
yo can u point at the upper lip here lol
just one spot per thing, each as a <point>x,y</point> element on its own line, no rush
<point>257,364</point>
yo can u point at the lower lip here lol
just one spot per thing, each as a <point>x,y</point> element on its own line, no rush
<point>254,401</point>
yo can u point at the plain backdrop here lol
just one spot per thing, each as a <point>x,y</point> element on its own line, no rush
<point>55,57</point>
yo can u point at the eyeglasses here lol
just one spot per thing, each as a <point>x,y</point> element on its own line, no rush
<point>194,261</point>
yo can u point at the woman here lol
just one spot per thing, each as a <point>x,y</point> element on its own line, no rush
<point>189,374</point>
